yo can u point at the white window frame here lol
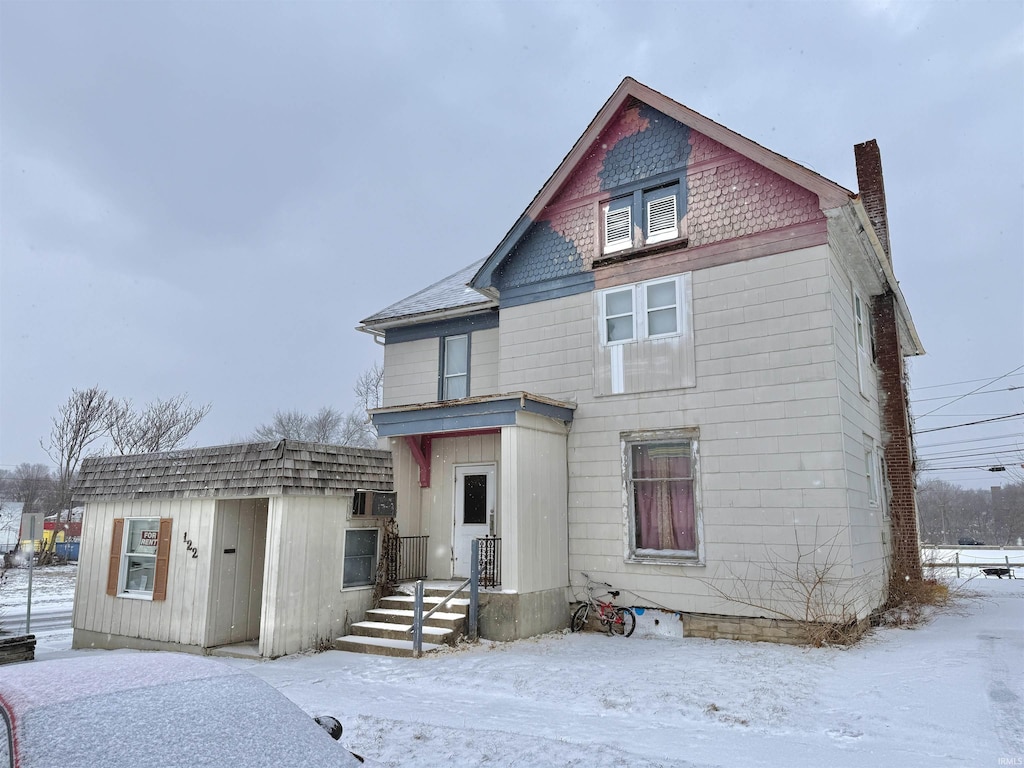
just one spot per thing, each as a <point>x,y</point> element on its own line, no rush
<point>641,322</point>
<point>447,377</point>
<point>647,555</point>
<point>373,564</point>
<point>124,577</point>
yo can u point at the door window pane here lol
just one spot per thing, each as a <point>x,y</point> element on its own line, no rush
<point>474,499</point>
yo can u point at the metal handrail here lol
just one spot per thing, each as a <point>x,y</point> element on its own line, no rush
<point>437,607</point>
<point>473,582</point>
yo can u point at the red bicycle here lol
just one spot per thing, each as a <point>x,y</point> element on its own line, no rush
<point>615,619</point>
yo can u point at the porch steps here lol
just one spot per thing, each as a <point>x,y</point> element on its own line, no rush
<point>381,646</point>
<point>385,631</point>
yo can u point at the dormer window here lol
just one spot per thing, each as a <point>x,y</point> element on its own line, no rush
<point>657,209</point>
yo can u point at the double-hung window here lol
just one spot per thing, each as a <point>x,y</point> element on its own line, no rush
<point>641,217</point>
<point>455,367</point>
<point>139,557</point>
<point>360,566</point>
<point>642,311</point>
<point>661,485</point>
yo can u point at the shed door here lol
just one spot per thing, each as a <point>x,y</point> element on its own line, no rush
<point>236,591</point>
<point>474,511</point>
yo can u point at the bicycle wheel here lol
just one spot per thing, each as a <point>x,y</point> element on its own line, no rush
<point>624,623</point>
<point>579,618</point>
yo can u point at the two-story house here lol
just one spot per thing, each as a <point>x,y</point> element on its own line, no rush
<point>681,372</point>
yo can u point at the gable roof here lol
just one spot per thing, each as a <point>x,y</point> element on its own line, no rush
<point>830,194</point>
<point>448,293</point>
<point>276,468</point>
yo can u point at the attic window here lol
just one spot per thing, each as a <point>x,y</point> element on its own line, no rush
<point>661,219</point>
<point>618,226</point>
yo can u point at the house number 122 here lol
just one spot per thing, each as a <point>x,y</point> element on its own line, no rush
<point>189,547</point>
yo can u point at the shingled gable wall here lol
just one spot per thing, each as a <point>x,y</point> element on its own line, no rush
<point>726,196</point>
<point>899,449</point>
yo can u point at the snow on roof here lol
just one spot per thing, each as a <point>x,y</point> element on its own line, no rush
<point>276,468</point>
<point>451,292</point>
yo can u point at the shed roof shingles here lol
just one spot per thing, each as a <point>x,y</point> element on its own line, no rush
<point>227,471</point>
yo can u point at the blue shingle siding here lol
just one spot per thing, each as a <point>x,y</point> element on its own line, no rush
<point>542,255</point>
<point>664,145</point>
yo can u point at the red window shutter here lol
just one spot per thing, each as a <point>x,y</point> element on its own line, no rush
<point>114,571</point>
<point>163,557</point>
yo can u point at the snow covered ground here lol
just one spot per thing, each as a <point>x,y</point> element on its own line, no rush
<point>949,693</point>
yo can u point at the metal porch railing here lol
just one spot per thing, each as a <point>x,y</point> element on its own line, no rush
<point>411,562</point>
<point>490,561</point>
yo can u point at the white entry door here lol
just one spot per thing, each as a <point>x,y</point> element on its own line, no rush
<point>474,512</point>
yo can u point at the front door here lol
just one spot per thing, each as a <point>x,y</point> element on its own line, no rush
<point>474,512</point>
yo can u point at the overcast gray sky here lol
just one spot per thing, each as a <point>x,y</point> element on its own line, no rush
<point>207,197</point>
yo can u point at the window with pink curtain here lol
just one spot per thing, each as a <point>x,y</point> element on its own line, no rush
<point>661,480</point>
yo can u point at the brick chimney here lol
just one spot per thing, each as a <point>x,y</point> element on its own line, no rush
<point>897,437</point>
<point>872,189</point>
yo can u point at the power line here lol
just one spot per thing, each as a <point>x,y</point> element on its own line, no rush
<point>969,423</point>
<point>972,440</point>
<point>958,383</point>
<point>976,389</point>
<point>969,394</point>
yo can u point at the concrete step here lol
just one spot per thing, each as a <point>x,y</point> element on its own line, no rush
<point>454,621</point>
<point>406,602</point>
<point>394,631</point>
<point>380,646</point>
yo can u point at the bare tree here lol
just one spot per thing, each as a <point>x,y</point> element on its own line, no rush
<point>329,425</point>
<point>369,387</point>
<point>161,426</point>
<point>292,425</point>
<point>79,423</point>
<point>369,392</point>
<point>34,486</point>
<point>324,426</point>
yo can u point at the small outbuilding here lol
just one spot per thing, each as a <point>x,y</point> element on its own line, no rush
<point>256,544</point>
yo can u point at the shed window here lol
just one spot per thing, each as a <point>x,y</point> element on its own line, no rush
<point>360,557</point>
<point>139,557</point>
